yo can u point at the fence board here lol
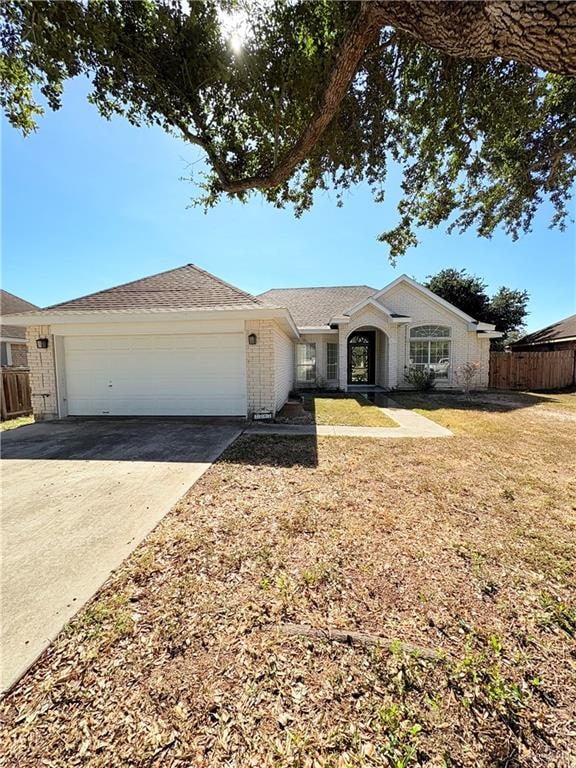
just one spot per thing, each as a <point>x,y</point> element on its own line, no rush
<point>533,370</point>
<point>16,400</point>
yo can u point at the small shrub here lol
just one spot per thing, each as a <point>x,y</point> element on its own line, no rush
<point>465,375</point>
<point>422,379</point>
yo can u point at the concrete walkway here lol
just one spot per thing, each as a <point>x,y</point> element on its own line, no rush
<point>410,424</point>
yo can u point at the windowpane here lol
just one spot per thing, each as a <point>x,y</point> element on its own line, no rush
<point>332,361</point>
<point>430,331</point>
<point>419,353</point>
<point>306,363</point>
<point>440,358</point>
<point>432,355</point>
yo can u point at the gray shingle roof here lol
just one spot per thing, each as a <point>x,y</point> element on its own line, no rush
<point>187,287</point>
<point>11,305</point>
<point>314,307</point>
<point>563,329</point>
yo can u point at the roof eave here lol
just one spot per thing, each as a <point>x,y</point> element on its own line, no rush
<point>523,343</point>
<point>89,316</point>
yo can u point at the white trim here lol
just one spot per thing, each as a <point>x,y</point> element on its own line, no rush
<point>145,315</point>
<point>481,327</point>
<point>8,353</point>
<point>316,330</point>
<point>370,301</point>
<point>13,340</point>
<point>60,376</point>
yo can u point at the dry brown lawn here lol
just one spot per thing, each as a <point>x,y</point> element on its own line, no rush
<point>346,410</point>
<point>465,546</point>
<point>19,421</point>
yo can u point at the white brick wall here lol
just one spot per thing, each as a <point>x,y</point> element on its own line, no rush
<point>269,366</point>
<point>42,373</point>
<point>283,366</point>
<point>466,346</point>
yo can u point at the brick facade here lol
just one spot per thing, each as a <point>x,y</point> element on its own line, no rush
<point>466,345</point>
<point>269,370</point>
<point>42,374</point>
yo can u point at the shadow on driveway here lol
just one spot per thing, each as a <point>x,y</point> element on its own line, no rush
<point>130,439</point>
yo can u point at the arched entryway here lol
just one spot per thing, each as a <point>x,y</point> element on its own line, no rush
<point>367,357</point>
<point>362,357</point>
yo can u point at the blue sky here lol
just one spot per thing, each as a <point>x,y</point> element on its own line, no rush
<point>88,204</point>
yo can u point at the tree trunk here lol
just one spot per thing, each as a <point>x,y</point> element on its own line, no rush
<point>537,33</point>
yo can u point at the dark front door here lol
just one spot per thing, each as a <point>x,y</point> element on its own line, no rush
<point>361,356</point>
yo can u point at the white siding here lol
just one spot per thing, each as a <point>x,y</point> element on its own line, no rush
<point>283,366</point>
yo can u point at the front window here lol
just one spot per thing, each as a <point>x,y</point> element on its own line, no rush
<point>332,361</point>
<point>306,363</point>
<point>430,349</point>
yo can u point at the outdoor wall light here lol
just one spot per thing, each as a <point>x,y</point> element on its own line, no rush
<point>42,343</point>
<point>252,339</point>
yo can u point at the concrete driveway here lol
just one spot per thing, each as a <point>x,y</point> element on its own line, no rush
<point>77,497</point>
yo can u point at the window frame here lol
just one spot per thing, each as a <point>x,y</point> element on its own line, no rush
<point>428,340</point>
<point>335,363</point>
<point>308,364</point>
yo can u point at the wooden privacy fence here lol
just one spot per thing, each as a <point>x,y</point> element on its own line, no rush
<point>533,370</point>
<point>16,400</point>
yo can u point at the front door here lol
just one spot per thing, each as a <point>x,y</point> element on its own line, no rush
<point>361,356</point>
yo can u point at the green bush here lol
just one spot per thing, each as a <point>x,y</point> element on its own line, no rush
<point>422,379</point>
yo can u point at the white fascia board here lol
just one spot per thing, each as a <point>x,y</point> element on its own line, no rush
<point>88,317</point>
<point>490,334</point>
<point>377,305</point>
<point>426,292</point>
<point>163,315</point>
<point>316,330</point>
<point>366,302</point>
<point>481,326</point>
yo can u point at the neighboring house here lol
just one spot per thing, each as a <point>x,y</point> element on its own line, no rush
<point>186,343</point>
<point>558,336</point>
<point>13,351</point>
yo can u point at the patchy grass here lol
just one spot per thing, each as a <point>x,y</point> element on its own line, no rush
<point>465,546</point>
<point>19,421</point>
<point>346,411</point>
<point>473,413</point>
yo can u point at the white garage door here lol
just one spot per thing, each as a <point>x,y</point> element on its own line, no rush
<point>180,375</point>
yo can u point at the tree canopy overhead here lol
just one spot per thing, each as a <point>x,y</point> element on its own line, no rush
<point>474,101</point>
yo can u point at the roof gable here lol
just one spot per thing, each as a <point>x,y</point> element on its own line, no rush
<point>427,293</point>
<point>10,305</point>
<point>187,287</point>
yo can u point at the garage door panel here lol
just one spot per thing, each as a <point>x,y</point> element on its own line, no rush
<point>156,375</point>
